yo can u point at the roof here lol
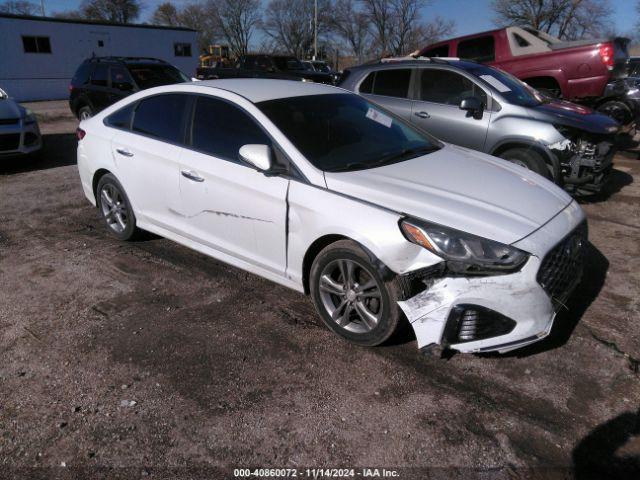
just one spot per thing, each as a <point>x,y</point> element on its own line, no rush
<point>464,64</point>
<point>261,89</point>
<point>91,22</point>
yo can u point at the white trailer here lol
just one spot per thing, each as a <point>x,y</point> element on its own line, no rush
<point>39,55</point>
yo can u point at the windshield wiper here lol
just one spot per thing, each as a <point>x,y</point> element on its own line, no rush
<point>386,159</point>
<point>404,154</point>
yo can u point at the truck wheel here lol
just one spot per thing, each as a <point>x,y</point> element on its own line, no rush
<point>351,296</point>
<point>617,110</point>
<point>528,159</point>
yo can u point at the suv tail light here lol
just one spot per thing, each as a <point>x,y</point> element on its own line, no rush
<point>80,133</point>
<point>606,55</point>
<point>71,87</point>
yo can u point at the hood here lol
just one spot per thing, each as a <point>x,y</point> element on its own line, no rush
<point>461,189</point>
<point>574,115</point>
<point>9,109</point>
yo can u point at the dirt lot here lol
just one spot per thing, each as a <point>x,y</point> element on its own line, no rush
<point>147,359</point>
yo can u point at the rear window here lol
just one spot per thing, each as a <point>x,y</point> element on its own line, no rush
<point>81,76</point>
<point>99,75</point>
<point>481,49</point>
<point>161,117</point>
<point>147,76</point>
<point>390,83</point>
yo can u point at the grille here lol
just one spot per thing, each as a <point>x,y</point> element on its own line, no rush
<point>9,121</point>
<point>10,141</point>
<point>561,269</point>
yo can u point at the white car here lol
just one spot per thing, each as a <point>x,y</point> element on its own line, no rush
<point>19,132</point>
<point>319,190</point>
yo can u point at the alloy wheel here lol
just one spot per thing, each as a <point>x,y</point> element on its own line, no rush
<point>351,295</point>
<point>114,208</point>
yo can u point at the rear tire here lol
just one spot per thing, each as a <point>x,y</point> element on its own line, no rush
<point>85,113</point>
<point>351,296</point>
<point>115,208</point>
<point>528,159</point>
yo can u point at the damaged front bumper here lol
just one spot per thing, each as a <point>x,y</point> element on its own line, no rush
<point>504,312</point>
<point>584,162</point>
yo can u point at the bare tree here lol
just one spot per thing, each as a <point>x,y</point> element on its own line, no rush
<point>19,7</point>
<point>406,14</point>
<point>290,24</point>
<point>431,32</point>
<point>166,14</point>
<point>236,20</point>
<point>567,19</point>
<point>380,14</point>
<point>115,11</point>
<point>195,15</point>
<point>351,25</point>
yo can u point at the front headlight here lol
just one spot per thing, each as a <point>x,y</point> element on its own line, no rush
<point>464,253</point>
<point>29,118</point>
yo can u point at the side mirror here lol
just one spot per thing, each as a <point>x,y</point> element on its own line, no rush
<point>257,155</point>
<point>473,106</point>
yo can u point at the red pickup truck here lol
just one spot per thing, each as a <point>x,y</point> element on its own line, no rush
<point>579,70</point>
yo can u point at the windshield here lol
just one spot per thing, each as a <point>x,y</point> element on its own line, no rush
<point>288,63</point>
<point>513,90</point>
<point>147,76</point>
<point>342,131</point>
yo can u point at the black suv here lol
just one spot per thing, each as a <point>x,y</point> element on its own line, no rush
<point>102,81</point>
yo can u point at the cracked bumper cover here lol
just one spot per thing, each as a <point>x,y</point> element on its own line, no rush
<point>517,296</point>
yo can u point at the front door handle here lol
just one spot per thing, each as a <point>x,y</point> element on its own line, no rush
<point>126,153</point>
<point>191,175</point>
<point>422,114</point>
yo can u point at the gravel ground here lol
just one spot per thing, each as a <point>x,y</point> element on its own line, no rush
<point>148,359</point>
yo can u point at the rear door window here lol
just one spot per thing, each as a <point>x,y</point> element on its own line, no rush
<point>121,118</point>
<point>481,49</point>
<point>447,87</point>
<point>392,83</point>
<point>161,117</point>
<point>220,129</point>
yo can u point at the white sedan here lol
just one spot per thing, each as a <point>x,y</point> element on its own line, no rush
<point>319,190</point>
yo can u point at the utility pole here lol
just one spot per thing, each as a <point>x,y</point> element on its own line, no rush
<point>315,29</point>
<point>42,7</point>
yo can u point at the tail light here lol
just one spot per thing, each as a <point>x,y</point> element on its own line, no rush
<point>606,55</point>
<point>80,133</point>
<point>71,87</point>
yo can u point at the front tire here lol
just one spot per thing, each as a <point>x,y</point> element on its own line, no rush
<point>351,296</point>
<point>115,208</point>
<point>528,159</point>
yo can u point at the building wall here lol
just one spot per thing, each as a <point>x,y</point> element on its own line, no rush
<point>46,76</point>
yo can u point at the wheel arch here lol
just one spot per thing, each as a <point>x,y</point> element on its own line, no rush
<point>322,242</point>
<point>549,158</point>
<point>101,172</point>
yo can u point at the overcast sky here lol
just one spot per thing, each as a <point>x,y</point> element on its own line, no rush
<point>470,15</point>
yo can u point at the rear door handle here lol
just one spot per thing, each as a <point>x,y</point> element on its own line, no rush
<point>191,175</point>
<point>422,114</point>
<point>126,153</point>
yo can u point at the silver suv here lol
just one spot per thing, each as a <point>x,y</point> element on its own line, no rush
<point>488,110</point>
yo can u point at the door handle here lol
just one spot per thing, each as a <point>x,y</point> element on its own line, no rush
<point>422,114</point>
<point>126,153</point>
<point>191,175</point>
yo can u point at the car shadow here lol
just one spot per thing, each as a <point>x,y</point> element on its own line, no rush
<point>602,453</point>
<point>617,181</point>
<point>58,150</point>
<point>593,278</point>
